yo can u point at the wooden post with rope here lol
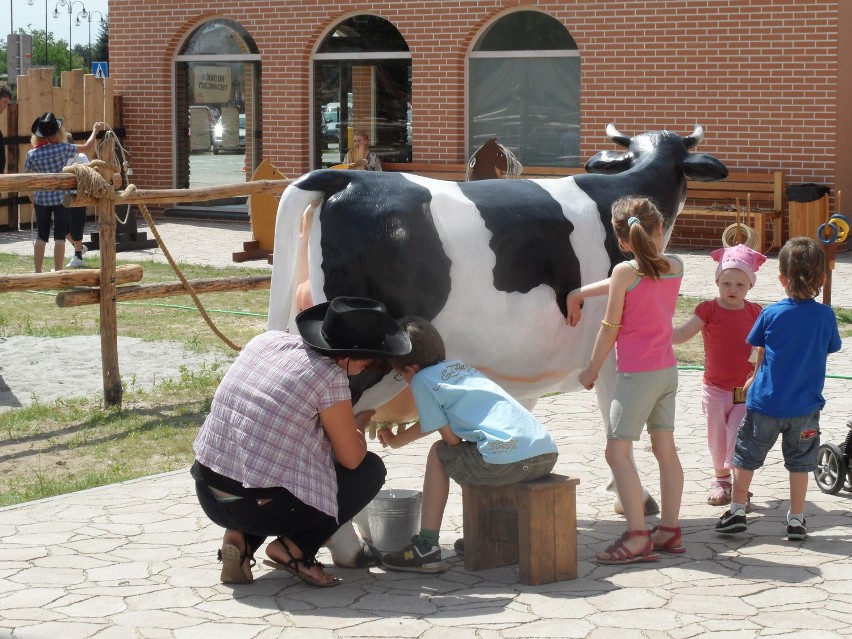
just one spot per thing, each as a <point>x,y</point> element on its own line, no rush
<point>109,323</point>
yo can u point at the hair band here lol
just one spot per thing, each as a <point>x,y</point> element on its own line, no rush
<point>632,220</point>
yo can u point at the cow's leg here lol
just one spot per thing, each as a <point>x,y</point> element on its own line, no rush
<point>347,548</point>
<point>605,388</point>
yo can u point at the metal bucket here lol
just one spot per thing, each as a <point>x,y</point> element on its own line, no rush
<point>394,517</point>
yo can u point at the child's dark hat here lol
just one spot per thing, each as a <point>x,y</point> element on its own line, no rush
<point>46,124</point>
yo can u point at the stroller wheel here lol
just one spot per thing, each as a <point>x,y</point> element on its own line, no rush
<point>830,473</point>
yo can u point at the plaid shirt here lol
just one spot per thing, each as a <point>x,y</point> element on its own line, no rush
<point>263,429</point>
<point>49,158</point>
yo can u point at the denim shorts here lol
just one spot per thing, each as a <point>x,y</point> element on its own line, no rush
<point>464,465</point>
<point>643,398</point>
<point>799,441</point>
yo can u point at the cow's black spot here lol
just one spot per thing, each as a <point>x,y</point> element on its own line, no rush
<point>379,241</point>
<point>530,237</point>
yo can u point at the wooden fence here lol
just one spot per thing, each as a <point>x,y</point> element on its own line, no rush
<point>107,292</point>
<point>81,99</point>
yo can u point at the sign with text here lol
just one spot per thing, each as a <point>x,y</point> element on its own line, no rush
<point>211,84</point>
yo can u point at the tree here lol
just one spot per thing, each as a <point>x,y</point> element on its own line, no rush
<point>100,49</point>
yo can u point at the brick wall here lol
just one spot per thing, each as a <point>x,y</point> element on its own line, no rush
<point>761,76</point>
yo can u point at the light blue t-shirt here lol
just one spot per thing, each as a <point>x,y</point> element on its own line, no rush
<point>798,335</point>
<point>478,410</point>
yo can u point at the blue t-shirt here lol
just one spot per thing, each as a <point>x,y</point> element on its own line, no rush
<point>797,335</point>
<point>49,158</point>
<point>478,410</point>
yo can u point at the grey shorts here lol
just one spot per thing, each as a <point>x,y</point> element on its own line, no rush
<point>758,434</point>
<point>465,465</point>
<point>643,398</point>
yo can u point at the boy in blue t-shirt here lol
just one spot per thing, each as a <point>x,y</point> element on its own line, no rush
<point>793,338</point>
<point>487,437</point>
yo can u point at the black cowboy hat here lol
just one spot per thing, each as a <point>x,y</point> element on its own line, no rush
<point>353,327</point>
<point>46,124</point>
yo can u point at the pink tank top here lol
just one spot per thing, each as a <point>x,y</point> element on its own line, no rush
<point>644,341</point>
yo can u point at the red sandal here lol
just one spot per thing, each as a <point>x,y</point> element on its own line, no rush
<point>618,553</point>
<point>673,544</point>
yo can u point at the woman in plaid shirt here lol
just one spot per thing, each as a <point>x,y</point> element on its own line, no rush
<point>281,453</point>
<point>49,154</point>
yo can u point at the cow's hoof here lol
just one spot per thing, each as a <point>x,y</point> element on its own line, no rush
<point>364,558</point>
<point>651,506</point>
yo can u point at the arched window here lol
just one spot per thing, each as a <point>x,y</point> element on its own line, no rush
<point>524,88</point>
<point>217,110</point>
<point>362,81</point>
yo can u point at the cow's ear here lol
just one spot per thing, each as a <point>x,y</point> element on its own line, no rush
<point>610,162</point>
<point>704,168</point>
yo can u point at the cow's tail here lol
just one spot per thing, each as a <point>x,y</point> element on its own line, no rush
<point>286,256</point>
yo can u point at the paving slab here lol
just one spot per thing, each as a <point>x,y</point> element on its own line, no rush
<point>138,559</point>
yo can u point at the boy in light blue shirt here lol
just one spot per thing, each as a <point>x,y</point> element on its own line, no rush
<point>487,437</point>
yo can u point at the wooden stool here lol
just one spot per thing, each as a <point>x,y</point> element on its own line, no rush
<point>532,524</point>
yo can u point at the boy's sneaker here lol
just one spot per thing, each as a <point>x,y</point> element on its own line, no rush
<point>732,522</point>
<point>415,559</point>
<point>796,530</point>
<point>76,262</point>
<point>720,492</point>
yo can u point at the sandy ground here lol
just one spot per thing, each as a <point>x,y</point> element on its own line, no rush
<point>46,369</point>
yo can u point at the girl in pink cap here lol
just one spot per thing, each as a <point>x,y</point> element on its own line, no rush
<point>724,323</point>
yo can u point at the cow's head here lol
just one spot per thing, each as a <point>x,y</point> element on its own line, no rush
<point>655,165</point>
<point>658,145</point>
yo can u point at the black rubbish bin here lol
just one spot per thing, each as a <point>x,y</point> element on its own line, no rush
<point>808,208</point>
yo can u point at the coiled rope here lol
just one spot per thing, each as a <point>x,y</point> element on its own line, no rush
<point>94,185</point>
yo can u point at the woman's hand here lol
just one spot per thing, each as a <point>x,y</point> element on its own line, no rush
<point>362,420</point>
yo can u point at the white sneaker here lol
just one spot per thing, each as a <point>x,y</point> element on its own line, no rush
<point>83,249</point>
<point>76,262</point>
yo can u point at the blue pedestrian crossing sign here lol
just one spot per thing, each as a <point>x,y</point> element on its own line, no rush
<point>100,69</point>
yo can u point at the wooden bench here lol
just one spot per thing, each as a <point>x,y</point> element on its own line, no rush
<point>718,200</point>
<point>532,524</point>
<point>458,172</point>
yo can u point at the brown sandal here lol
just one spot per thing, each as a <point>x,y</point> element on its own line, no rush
<point>618,553</point>
<point>293,565</point>
<point>673,544</point>
<point>232,565</point>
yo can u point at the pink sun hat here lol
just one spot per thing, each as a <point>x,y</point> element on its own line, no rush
<point>740,257</point>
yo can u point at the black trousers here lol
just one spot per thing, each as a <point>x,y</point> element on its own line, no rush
<point>281,514</point>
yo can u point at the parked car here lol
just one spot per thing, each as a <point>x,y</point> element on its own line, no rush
<point>219,130</point>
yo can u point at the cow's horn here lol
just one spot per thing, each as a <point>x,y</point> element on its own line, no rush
<point>695,138</point>
<point>615,136</point>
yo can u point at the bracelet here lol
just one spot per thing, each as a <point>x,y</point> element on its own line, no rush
<point>605,323</point>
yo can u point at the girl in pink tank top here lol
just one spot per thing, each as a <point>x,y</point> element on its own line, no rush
<point>638,324</point>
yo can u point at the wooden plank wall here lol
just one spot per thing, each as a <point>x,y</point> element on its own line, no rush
<point>81,99</point>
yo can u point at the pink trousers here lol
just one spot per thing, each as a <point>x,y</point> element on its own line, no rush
<point>723,421</point>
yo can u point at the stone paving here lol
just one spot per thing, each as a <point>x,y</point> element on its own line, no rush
<point>138,559</point>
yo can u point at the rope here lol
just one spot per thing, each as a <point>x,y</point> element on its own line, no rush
<point>90,182</point>
<point>147,215</point>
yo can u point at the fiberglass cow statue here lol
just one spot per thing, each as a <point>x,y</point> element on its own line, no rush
<point>489,263</point>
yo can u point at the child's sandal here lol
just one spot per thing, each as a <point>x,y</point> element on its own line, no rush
<point>618,553</point>
<point>674,544</point>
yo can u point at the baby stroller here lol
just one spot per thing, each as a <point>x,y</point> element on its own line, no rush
<point>834,465</point>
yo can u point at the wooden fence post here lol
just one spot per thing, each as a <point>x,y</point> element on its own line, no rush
<point>109,323</point>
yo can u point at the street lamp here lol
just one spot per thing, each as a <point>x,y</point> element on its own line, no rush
<point>83,13</point>
<point>31,3</point>
<point>89,17</point>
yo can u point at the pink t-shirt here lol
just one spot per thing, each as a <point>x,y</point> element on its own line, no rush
<point>644,340</point>
<point>726,351</point>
